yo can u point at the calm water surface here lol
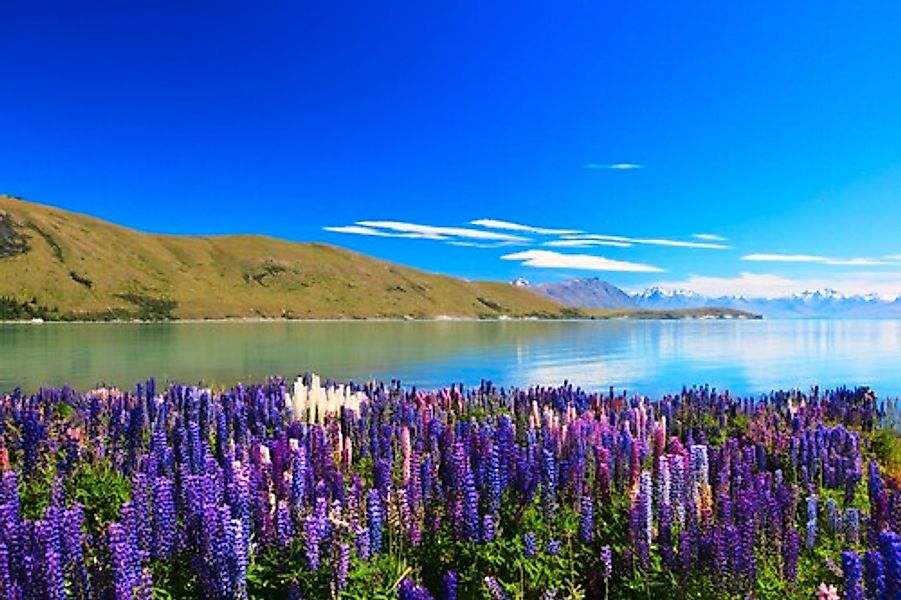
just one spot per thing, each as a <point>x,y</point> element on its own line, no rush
<point>643,356</point>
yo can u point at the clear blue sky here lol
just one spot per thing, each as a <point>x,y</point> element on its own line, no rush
<point>773,125</point>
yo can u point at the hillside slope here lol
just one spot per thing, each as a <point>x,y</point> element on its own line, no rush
<point>58,264</point>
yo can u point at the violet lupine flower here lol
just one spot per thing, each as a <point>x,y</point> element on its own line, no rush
<point>874,575</point>
<point>530,548</point>
<point>163,518</point>
<point>890,547</point>
<point>470,507</point>
<point>51,562</point>
<point>122,556</point>
<point>342,566</point>
<point>853,573</point>
<point>852,525</point>
<point>361,535</point>
<point>790,555</point>
<point>376,518</point>
<point>410,591</point>
<point>495,589</point>
<point>238,565</point>
<point>553,547</point>
<point>451,581</point>
<point>284,523</point>
<point>810,539</point>
<point>312,534</point>
<point>606,556</point>
<point>586,520</point>
<point>487,528</point>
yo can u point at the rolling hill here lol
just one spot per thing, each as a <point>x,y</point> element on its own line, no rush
<point>56,264</point>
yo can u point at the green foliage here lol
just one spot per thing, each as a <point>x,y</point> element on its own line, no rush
<point>150,308</point>
<point>102,490</point>
<point>15,310</point>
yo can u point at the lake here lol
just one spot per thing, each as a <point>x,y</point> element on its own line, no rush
<point>650,357</point>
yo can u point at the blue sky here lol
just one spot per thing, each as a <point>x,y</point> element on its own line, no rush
<point>771,127</point>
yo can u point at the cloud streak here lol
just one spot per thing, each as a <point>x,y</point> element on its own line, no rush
<point>708,237</point>
<point>588,243</point>
<point>621,166</point>
<point>892,260</point>
<point>547,259</point>
<point>650,241</point>
<point>508,226</point>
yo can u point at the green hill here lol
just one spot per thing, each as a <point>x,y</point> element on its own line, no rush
<point>56,264</point>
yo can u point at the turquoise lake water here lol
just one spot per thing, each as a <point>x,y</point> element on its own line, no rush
<point>650,357</point>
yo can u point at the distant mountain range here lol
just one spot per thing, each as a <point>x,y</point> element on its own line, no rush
<point>595,293</point>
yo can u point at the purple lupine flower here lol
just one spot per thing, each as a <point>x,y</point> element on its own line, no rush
<point>163,518</point>
<point>530,548</point>
<point>487,528</point>
<point>790,556</point>
<point>451,581</point>
<point>852,525</point>
<point>470,507</point>
<point>312,533</point>
<point>890,547</point>
<point>51,562</point>
<point>238,566</point>
<point>284,523</point>
<point>586,520</point>
<point>376,518</point>
<point>810,539</point>
<point>553,547</point>
<point>361,535</point>
<point>495,589</point>
<point>853,573</point>
<point>410,591</point>
<point>606,556</point>
<point>342,566</point>
<point>874,575</point>
<point>121,555</point>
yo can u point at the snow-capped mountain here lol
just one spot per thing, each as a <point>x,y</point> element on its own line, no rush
<point>818,303</point>
<point>809,303</point>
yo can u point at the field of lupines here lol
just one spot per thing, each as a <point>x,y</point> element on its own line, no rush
<point>376,492</point>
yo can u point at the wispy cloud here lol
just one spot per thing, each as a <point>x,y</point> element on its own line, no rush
<point>825,260</point>
<point>431,232</point>
<point>766,285</point>
<point>622,166</point>
<point>708,237</point>
<point>650,241</point>
<point>360,230</point>
<point>482,244</point>
<point>587,243</point>
<point>508,226</point>
<point>547,259</point>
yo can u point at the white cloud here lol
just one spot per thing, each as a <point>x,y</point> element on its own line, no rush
<point>443,232</point>
<point>680,244</point>
<point>547,259</point>
<point>360,230</point>
<point>587,243</point>
<point>785,258</point>
<point>648,241</point>
<point>708,237</point>
<point>482,244</point>
<point>764,285</point>
<point>613,166</point>
<point>825,260</point>
<point>507,225</point>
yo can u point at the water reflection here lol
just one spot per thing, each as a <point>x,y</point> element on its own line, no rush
<point>647,356</point>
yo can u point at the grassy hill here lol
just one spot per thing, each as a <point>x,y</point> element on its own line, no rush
<point>56,264</point>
